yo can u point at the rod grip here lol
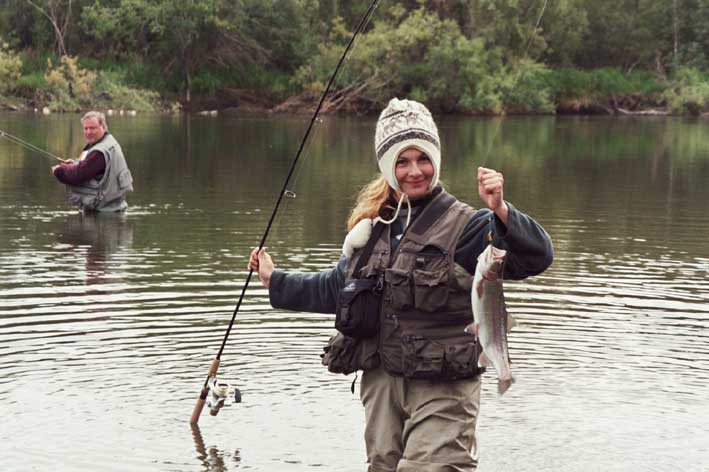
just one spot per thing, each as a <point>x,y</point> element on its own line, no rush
<point>198,406</point>
<point>197,411</point>
<point>213,368</point>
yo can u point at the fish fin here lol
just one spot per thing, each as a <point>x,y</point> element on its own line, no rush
<point>479,288</point>
<point>504,385</point>
<point>473,328</point>
<point>484,361</point>
<point>511,322</point>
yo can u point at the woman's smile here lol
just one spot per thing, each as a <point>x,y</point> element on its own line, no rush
<point>414,173</point>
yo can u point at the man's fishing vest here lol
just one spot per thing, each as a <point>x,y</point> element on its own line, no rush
<point>426,302</point>
<point>108,193</point>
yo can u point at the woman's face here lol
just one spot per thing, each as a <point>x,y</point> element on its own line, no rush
<point>414,172</point>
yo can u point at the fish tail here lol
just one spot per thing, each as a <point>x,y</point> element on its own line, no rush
<point>504,384</point>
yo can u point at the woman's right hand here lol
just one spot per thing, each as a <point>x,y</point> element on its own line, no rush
<point>261,262</point>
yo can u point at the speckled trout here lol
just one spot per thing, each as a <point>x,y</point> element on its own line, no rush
<point>491,320</point>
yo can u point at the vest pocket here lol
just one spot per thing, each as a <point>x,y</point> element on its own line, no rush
<point>358,307</point>
<point>423,359</point>
<point>344,355</point>
<point>430,289</point>
<point>399,289</point>
<point>461,361</point>
<point>125,180</point>
<point>83,197</point>
<point>427,359</point>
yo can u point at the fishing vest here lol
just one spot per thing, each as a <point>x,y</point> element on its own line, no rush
<point>426,303</point>
<point>108,193</point>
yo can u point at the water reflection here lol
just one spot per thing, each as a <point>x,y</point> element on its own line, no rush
<point>611,354</point>
<point>97,236</point>
<point>212,459</point>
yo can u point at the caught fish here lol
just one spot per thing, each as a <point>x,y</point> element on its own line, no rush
<point>491,319</point>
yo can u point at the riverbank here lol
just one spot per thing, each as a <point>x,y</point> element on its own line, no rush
<point>69,88</point>
<point>228,103</point>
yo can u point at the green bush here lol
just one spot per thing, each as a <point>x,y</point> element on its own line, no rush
<point>527,90</point>
<point>429,59</point>
<point>110,91</point>
<point>10,68</point>
<point>68,85</point>
<point>688,92</point>
<point>599,84</point>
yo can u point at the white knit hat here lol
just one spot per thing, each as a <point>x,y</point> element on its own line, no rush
<point>402,125</point>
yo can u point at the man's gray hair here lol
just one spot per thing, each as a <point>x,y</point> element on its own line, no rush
<point>98,115</point>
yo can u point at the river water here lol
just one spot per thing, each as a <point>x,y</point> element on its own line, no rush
<point>108,325</point>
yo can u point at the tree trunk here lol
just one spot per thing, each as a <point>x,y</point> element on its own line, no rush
<point>60,28</point>
<point>675,32</point>
<point>188,85</point>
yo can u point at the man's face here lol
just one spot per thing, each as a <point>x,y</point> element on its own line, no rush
<point>93,131</point>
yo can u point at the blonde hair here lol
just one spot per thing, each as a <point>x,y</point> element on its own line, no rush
<point>370,200</point>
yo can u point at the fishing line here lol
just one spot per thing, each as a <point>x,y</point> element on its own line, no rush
<point>16,140</point>
<point>515,81</point>
<point>215,363</point>
<point>291,194</point>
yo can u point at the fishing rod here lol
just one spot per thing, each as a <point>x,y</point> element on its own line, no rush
<point>211,375</point>
<point>16,140</point>
<point>516,79</point>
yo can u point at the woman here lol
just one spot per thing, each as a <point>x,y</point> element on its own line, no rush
<point>421,383</point>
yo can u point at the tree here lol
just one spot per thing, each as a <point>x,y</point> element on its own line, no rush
<point>58,12</point>
<point>180,35</point>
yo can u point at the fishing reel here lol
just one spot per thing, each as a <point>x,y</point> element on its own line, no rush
<point>218,394</point>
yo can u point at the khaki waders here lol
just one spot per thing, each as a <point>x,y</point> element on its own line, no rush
<point>418,425</point>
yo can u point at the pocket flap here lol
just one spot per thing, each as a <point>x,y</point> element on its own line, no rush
<point>125,180</point>
<point>430,278</point>
<point>396,277</point>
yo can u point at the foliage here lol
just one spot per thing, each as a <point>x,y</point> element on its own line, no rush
<point>689,92</point>
<point>68,85</point>
<point>110,91</point>
<point>528,90</point>
<point>434,62</point>
<point>480,56</point>
<point>602,83</point>
<point>10,68</point>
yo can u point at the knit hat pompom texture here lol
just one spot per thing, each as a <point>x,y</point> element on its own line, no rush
<point>405,124</point>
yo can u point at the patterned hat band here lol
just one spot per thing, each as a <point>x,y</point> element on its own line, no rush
<point>407,135</point>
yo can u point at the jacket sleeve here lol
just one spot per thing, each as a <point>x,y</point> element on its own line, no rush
<point>529,248</point>
<point>312,292</point>
<point>77,173</point>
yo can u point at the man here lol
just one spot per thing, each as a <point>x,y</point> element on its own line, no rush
<point>100,179</point>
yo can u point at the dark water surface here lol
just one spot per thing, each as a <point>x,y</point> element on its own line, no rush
<point>108,325</point>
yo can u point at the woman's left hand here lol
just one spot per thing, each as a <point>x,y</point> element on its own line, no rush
<point>490,189</point>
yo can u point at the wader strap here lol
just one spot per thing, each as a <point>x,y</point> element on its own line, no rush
<point>436,208</point>
<point>369,247</point>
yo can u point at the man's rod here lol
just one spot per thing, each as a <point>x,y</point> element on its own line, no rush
<point>32,147</point>
<point>215,363</point>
